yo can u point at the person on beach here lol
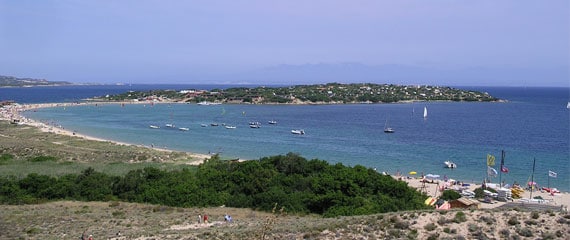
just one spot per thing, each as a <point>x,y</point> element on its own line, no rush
<point>205,218</point>
<point>199,218</point>
<point>228,218</point>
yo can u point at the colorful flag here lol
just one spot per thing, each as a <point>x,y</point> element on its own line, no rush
<point>552,174</point>
<point>503,168</point>
<point>490,160</point>
<point>491,172</point>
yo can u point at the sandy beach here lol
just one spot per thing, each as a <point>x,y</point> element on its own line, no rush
<point>13,113</point>
<point>434,189</point>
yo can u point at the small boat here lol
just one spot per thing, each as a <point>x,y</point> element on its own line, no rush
<point>170,125</point>
<point>298,131</point>
<point>450,164</point>
<point>467,193</point>
<point>272,122</point>
<point>154,127</point>
<point>254,124</point>
<point>214,124</point>
<point>230,127</point>
<point>204,125</point>
<point>183,129</point>
<point>568,105</point>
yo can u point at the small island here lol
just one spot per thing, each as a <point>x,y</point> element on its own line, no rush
<point>330,93</point>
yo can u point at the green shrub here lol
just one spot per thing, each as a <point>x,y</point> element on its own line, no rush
<point>525,232</point>
<point>460,217</point>
<point>4,158</point>
<point>488,220</point>
<point>513,221</point>
<point>531,222</point>
<point>504,233</point>
<point>401,225</point>
<point>433,236</point>
<point>450,195</point>
<point>479,193</point>
<point>42,159</point>
<point>301,185</point>
<point>472,227</point>
<point>430,227</point>
<point>442,221</point>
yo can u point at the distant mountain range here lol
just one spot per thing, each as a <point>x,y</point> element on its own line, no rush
<point>9,81</point>
<point>407,75</point>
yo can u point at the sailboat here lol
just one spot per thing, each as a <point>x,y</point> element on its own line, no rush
<point>425,112</point>
<point>568,105</point>
<point>388,129</point>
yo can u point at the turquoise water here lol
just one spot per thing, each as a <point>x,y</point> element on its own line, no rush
<point>533,124</point>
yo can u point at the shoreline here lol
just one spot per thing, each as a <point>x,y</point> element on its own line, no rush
<point>434,189</point>
<point>14,113</point>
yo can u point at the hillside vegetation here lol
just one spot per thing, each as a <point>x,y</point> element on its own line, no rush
<point>310,94</point>
<point>297,184</point>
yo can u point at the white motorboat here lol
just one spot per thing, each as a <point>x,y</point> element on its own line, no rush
<point>450,164</point>
<point>298,131</point>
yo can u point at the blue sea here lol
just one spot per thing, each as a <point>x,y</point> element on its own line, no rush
<point>534,123</point>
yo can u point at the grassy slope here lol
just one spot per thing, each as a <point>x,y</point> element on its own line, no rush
<point>74,154</point>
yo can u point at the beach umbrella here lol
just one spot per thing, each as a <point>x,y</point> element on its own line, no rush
<point>531,183</point>
<point>413,173</point>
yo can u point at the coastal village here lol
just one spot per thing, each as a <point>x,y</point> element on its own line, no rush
<point>331,93</point>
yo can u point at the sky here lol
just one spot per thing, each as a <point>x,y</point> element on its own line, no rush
<point>442,42</point>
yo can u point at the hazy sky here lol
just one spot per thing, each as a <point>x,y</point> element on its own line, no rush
<point>508,42</point>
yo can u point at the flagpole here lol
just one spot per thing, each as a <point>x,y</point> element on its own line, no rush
<point>549,181</point>
<point>501,169</point>
<point>532,178</point>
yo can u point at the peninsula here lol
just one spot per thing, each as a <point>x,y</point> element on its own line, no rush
<point>9,81</point>
<point>330,93</point>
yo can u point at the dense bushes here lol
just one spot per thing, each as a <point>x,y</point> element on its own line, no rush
<point>301,186</point>
<point>449,195</point>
